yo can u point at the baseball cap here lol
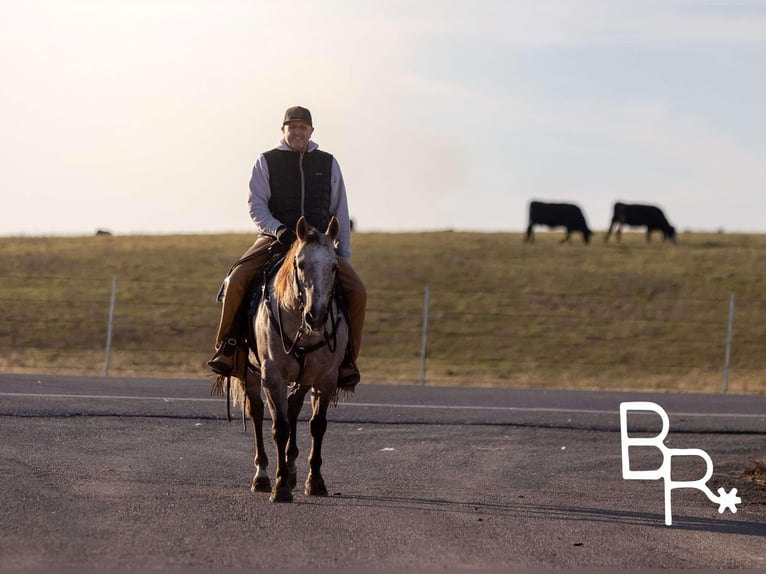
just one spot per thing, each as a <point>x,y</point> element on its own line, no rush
<point>297,113</point>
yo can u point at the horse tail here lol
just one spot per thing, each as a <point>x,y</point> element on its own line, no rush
<point>218,388</point>
<point>232,388</point>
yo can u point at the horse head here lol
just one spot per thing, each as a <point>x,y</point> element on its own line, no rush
<point>315,266</point>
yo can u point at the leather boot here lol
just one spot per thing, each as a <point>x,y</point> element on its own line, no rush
<point>348,373</point>
<point>222,362</point>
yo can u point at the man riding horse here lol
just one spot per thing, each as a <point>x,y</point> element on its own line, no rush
<point>291,180</point>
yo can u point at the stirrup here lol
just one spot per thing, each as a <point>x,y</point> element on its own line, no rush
<point>350,379</point>
<point>222,362</point>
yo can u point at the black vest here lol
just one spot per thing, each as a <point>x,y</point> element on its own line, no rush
<point>296,191</point>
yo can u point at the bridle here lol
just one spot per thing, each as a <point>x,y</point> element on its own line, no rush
<point>293,346</point>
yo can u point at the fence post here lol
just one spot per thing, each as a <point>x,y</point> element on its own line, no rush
<point>110,325</point>
<point>728,345</point>
<point>424,341</point>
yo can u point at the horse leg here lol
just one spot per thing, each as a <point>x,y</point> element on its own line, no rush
<point>320,400</point>
<point>260,482</point>
<point>280,432</point>
<point>294,406</point>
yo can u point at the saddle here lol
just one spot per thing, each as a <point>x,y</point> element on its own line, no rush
<point>257,291</point>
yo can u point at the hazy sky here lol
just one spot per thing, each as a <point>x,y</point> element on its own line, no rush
<point>145,116</point>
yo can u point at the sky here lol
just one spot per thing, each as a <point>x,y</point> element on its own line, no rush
<point>146,116</point>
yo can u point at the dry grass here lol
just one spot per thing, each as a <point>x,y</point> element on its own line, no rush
<point>502,313</point>
<point>757,474</point>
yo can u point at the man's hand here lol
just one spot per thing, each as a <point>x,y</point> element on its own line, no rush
<point>285,236</point>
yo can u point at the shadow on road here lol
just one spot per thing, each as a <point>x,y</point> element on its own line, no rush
<point>552,512</point>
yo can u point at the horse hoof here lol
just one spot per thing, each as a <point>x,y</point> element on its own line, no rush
<point>260,484</point>
<point>281,494</point>
<point>315,488</point>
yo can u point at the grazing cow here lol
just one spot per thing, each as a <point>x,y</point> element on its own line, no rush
<point>637,215</point>
<point>557,215</point>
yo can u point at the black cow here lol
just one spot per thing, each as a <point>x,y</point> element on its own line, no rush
<point>557,215</point>
<point>637,215</point>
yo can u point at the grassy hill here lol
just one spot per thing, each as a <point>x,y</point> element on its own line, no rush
<point>634,315</point>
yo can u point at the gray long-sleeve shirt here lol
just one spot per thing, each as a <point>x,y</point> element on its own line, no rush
<point>260,194</point>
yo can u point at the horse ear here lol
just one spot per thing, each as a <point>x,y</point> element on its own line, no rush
<point>333,228</point>
<point>302,228</point>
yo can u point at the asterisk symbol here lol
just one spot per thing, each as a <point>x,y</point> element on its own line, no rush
<point>728,500</point>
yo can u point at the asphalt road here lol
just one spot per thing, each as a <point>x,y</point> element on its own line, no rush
<point>141,474</point>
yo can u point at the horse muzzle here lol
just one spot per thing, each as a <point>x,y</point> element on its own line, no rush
<point>315,320</point>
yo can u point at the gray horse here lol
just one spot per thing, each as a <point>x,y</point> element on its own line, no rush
<point>301,335</point>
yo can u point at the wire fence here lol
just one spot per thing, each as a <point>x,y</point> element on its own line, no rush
<point>108,326</point>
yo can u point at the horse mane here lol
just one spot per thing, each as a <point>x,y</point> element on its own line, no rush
<point>285,277</point>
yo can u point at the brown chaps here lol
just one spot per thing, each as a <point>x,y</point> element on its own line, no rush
<point>239,281</point>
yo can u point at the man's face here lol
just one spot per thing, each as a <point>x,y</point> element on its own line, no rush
<point>297,135</point>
